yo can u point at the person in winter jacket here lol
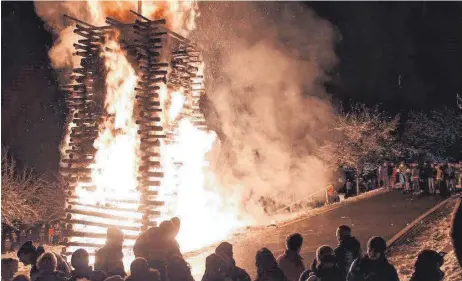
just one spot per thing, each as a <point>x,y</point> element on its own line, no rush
<point>427,266</point>
<point>109,257</point>
<point>9,269</point>
<point>80,261</point>
<point>29,255</point>
<point>267,267</point>
<point>321,253</point>
<point>46,265</point>
<point>347,250</point>
<point>178,270</point>
<point>373,266</point>
<point>327,269</point>
<point>140,271</point>
<point>157,244</point>
<point>215,269</point>
<point>291,263</point>
<point>235,273</point>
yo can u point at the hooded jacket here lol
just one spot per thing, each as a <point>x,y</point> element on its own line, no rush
<point>346,252</point>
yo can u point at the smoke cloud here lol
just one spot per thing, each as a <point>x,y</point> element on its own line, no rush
<point>265,68</point>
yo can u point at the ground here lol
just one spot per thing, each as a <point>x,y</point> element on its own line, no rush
<point>433,235</point>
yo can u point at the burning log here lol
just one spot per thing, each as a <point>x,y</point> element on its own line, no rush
<point>100,215</point>
<point>89,245</point>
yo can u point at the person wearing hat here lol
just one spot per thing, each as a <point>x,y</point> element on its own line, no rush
<point>374,266</point>
<point>28,255</point>
<point>235,273</point>
<point>110,257</point>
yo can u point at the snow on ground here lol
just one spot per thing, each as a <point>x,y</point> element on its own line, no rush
<point>435,237</point>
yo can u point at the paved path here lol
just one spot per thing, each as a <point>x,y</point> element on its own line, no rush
<point>384,214</point>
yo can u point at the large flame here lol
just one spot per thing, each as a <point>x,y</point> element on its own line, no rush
<point>188,186</point>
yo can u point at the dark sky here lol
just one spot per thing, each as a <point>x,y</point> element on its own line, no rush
<point>402,55</point>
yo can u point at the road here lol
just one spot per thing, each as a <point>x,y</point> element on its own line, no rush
<point>384,215</point>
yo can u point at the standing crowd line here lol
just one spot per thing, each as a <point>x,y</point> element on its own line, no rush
<point>418,178</point>
<point>43,234</point>
<point>158,258</point>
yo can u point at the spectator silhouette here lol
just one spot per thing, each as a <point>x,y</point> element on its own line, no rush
<point>427,266</point>
<point>80,261</point>
<point>347,250</point>
<point>325,268</point>
<point>235,273</point>
<point>9,269</point>
<point>291,263</point>
<point>215,268</point>
<point>109,257</point>
<point>47,268</point>
<point>140,271</point>
<point>267,267</point>
<point>178,269</point>
<point>28,255</point>
<point>157,244</point>
<point>374,266</point>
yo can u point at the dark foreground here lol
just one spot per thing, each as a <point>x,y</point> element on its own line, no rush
<point>382,215</point>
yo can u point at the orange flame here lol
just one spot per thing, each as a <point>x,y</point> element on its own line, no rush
<point>188,188</point>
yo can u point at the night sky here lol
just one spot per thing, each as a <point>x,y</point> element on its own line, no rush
<point>402,55</point>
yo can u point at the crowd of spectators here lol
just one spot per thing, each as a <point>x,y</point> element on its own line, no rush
<point>158,258</point>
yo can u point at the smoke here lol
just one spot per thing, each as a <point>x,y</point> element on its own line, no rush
<point>266,64</point>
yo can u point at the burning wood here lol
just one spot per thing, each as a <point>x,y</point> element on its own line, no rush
<point>160,59</point>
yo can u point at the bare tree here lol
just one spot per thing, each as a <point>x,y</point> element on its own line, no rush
<point>360,138</point>
<point>434,136</point>
<point>27,198</point>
